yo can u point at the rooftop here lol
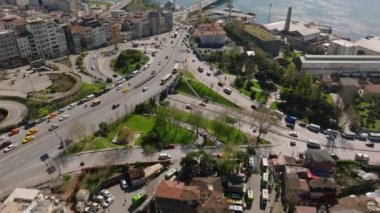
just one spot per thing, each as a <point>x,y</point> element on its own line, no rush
<point>177,191</point>
<point>209,30</point>
<point>319,155</point>
<point>259,32</point>
<point>372,89</point>
<point>305,209</point>
<point>349,82</point>
<point>21,194</point>
<point>292,181</point>
<point>370,43</point>
<point>323,183</point>
<point>302,28</point>
<point>343,43</point>
<point>208,183</point>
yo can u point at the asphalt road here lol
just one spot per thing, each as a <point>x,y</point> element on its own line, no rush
<point>22,166</point>
<point>16,112</point>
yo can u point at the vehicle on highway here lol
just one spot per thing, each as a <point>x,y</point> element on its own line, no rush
<point>139,198</point>
<point>170,173</point>
<point>119,87</point>
<point>60,111</point>
<point>312,144</point>
<point>349,135</point>
<point>32,131</point>
<point>92,67</point>
<point>208,73</point>
<point>145,89</point>
<point>5,144</point>
<point>202,104</point>
<point>370,144</point>
<point>14,131</point>
<point>95,102</point>
<point>200,69</point>
<point>167,57</point>
<point>166,78</point>
<point>362,136</point>
<point>164,156</point>
<point>188,106</point>
<point>169,146</point>
<point>64,117</point>
<point>52,115</point>
<point>125,90</point>
<point>114,106</point>
<point>40,120</point>
<point>123,184</point>
<point>153,72</point>
<point>28,139</point>
<point>2,137</point>
<point>9,148</point>
<point>53,127</point>
<point>293,134</point>
<point>292,143</point>
<point>228,91</point>
<point>314,127</point>
<point>72,106</point>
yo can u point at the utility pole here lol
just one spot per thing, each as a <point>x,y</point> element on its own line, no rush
<point>269,14</point>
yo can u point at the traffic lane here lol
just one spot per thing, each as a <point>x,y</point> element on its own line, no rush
<point>254,183</point>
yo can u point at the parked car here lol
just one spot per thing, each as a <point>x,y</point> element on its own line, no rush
<point>164,156</point>
<point>114,106</point>
<point>105,193</point>
<point>145,89</point>
<point>188,106</point>
<point>52,115</point>
<point>5,144</point>
<point>169,146</point>
<point>123,184</point>
<point>208,73</point>
<point>64,117</point>
<point>13,132</point>
<point>60,111</point>
<point>108,201</point>
<point>292,143</point>
<point>10,147</point>
<point>72,106</point>
<point>293,134</point>
<point>202,104</point>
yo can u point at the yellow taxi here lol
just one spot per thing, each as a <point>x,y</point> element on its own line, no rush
<point>32,131</point>
<point>125,90</point>
<point>27,139</point>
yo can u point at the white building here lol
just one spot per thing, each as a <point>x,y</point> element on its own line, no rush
<point>46,40</point>
<point>341,47</point>
<point>24,45</point>
<point>125,35</point>
<point>347,65</point>
<point>8,47</point>
<point>368,46</point>
<point>211,34</point>
<point>308,31</point>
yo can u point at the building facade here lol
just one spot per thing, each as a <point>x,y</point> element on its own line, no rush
<point>211,35</point>
<point>154,23</point>
<point>8,47</point>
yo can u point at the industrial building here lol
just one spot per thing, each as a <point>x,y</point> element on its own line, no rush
<point>345,65</point>
<point>369,45</point>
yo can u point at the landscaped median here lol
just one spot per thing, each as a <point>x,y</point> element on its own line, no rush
<point>128,61</point>
<point>202,90</point>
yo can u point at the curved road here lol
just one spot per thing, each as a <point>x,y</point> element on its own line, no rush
<point>16,112</point>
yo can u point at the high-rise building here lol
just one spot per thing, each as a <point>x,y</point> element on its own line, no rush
<point>92,33</point>
<point>168,21</point>
<point>67,6</point>
<point>154,22</point>
<point>8,48</point>
<point>46,39</point>
<point>23,44</point>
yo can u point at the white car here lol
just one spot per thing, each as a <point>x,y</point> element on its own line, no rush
<point>123,184</point>
<point>188,106</point>
<point>119,87</point>
<point>145,89</point>
<point>93,67</point>
<point>72,106</point>
<point>99,198</point>
<point>64,117</point>
<point>108,201</point>
<point>293,134</point>
<point>10,147</point>
<point>2,137</point>
<point>105,192</point>
<point>53,127</point>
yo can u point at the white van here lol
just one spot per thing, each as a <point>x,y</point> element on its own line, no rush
<point>90,97</point>
<point>164,156</point>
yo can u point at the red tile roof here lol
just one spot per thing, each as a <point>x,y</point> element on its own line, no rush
<point>209,30</point>
<point>177,191</point>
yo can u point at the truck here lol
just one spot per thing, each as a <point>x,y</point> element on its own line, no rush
<point>290,121</point>
<point>361,157</point>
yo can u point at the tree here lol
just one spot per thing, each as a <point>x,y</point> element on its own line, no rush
<point>196,120</point>
<point>149,150</point>
<point>251,150</point>
<point>290,74</point>
<point>264,121</point>
<point>103,129</point>
<point>253,95</point>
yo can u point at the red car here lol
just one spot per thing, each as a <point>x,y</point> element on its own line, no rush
<point>169,146</point>
<point>273,156</point>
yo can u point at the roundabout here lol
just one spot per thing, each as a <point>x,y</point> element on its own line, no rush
<point>12,113</point>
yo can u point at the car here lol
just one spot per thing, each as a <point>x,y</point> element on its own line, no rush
<point>38,121</point>
<point>118,87</point>
<point>14,131</point>
<point>60,111</point>
<point>28,139</point>
<point>188,106</point>
<point>334,156</point>
<point>293,134</point>
<point>273,156</point>
<point>88,209</point>
<point>5,144</point>
<point>370,144</point>
<point>123,184</point>
<point>302,124</point>
<point>193,60</point>
<point>145,89</point>
<point>169,146</point>
<point>167,57</point>
<point>99,198</point>
<point>114,106</point>
<point>330,137</point>
<point>2,137</point>
<point>32,132</point>
<point>53,127</point>
<point>10,147</point>
<point>164,156</point>
<point>202,104</point>
<point>93,67</point>
<point>221,84</point>
<point>254,107</point>
<point>153,72</point>
<point>72,106</point>
<point>52,115</point>
<point>312,144</point>
<point>64,117</point>
<point>125,90</point>
<point>108,201</point>
<point>208,73</point>
<point>94,205</point>
<point>292,143</point>
<point>105,193</point>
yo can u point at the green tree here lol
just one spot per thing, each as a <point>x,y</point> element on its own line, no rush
<point>196,120</point>
<point>149,150</point>
<point>290,74</point>
<point>305,84</point>
<point>253,95</point>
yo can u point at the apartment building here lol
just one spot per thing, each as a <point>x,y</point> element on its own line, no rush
<point>67,6</point>
<point>92,32</point>
<point>46,39</point>
<point>167,17</point>
<point>8,48</point>
<point>211,35</point>
<point>24,45</point>
<point>154,22</point>
<point>13,22</point>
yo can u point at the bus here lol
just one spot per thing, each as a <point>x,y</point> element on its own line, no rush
<point>249,197</point>
<point>95,102</point>
<point>265,180</point>
<point>264,164</point>
<point>170,174</point>
<point>264,196</point>
<point>374,136</point>
<point>176,67</point>
<point>235,209</point>
<point>314,127</point>
<point>139,198</point>
<point>235,202</point>
<point>166,78</point>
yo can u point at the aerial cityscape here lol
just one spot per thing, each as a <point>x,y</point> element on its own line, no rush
<point>165,106</point>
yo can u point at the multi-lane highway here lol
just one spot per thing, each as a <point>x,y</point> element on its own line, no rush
<point>22,166</point>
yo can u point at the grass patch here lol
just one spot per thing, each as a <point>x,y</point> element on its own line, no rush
<point>65,61</point>
<point>258,32</point>
<point>264,142</point>
<point>329,98</point>
<point>274,106</point>
<point>96,177</point>
<point>256,84</point>
<point>261,97</point>
<point>203,90</point>
<point>60,83</point>
<point>188,75</point>
<point>66,178</point>
<point>88,89</point>
<point>128,61</point>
